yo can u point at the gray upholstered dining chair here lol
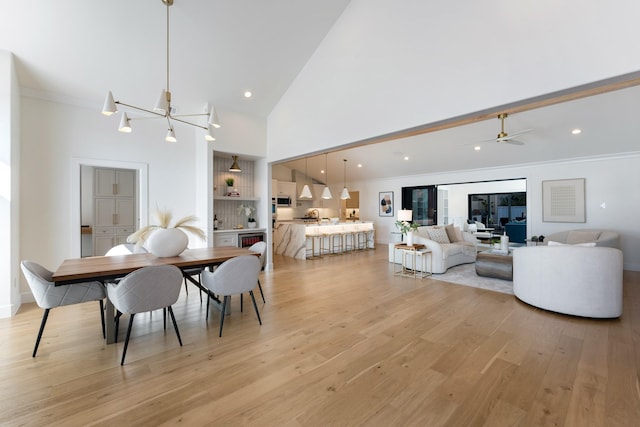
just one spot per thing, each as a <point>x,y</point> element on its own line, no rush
<point>232,277</point>
<point>147,289</point>
<point>261,248</point>
<point>48,295</point>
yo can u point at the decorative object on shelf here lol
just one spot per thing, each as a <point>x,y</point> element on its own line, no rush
<point>163,240</point>
<point>405,225</point>
<point>235,167</point>
<point>248,211</point>
<point>163,108</point>
<point>233,192</point>
<point>345,193</point>
<point>385,201</point>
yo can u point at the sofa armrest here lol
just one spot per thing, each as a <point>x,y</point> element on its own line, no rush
<point>468,237</point>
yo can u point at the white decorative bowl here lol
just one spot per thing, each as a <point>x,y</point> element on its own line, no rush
<point>167,242</point>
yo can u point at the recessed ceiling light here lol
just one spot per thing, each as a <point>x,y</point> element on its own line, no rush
<point>248,94</point>
<point>576,131</point>
<point>477,148</point>
<point>359,165</point>
<point>406,157</point>
<point>322,171</point>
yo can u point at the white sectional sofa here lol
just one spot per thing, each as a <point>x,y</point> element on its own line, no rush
<point>459,248</point>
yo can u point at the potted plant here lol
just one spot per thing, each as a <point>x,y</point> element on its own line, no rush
<point>248,211</point>
<point>161,239</point>
<point>407,228</point>
<point>229,182</point>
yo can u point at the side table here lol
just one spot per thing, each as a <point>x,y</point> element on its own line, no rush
<point>415,252</point>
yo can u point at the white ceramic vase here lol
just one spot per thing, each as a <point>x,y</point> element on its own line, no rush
<point>252,224</point>
<point>167,242</point>
<point>409,238</point>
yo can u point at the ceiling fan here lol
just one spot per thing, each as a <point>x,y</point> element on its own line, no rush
<point>504,136</point>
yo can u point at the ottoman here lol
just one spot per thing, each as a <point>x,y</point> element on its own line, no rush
<point>496,264</point>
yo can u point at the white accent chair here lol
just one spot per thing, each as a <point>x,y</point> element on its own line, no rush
<point>576,280</point>
<point>48,295</point>
<point>233,277</point>
<point>261,248</point>
<point>146,289</point>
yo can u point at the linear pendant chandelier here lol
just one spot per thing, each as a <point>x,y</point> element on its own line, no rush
<point>163,108</point>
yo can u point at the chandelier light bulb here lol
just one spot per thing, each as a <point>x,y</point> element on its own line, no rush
<point>125,125</point>
<point>171,136</point>
<point>109,107</point>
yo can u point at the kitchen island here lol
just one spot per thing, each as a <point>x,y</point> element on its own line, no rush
<point>295,239</point>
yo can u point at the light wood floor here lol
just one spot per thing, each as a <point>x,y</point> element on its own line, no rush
<point>344,343</point>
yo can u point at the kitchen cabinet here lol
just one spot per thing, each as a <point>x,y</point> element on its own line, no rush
<point>288,189</point>
<point>226,239</point>
<point>114,215</point>
<point>114,182</point>
<point>354,201</point>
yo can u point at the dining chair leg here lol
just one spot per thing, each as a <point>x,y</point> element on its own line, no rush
<point>45,316</point>
<point>164,318</point>
<point>185,286</point>
<point>104,333</point>
<point>126,340</point>
<point>255,306</point>
<point>224,309</point>
<point>175,325</point>
<point>117,321</point>
<point>208,300</point>
<point>261,293</point>
<point>240,303</point>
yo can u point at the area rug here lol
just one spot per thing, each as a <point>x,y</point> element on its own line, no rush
<point>465,274</point>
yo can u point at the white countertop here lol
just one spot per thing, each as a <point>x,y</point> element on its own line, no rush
<point>240,230</point>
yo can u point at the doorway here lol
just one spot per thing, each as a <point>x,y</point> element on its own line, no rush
<point>141,200</point>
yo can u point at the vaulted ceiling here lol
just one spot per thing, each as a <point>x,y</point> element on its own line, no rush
<point>76,50</point>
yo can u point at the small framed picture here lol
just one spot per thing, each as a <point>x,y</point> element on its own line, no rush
<point>385,203</point>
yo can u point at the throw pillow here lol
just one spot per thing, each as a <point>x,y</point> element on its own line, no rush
<point>586,245</point>
<point>438,234</point>
<point>453,233</point>
<point>580,236</point>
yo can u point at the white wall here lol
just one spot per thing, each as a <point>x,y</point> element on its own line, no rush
<point>9,185</point>
<point>609,180</point>
<point>387,66</point>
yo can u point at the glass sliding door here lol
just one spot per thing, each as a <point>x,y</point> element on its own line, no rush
<point>422,201</point>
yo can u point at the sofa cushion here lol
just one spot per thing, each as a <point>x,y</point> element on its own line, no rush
<point>586,244</point>
<point>438,234</point>
<point>454,234</point>
<point>581,236</point>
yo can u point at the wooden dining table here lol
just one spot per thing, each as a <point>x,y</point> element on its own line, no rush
<point>109,268</point>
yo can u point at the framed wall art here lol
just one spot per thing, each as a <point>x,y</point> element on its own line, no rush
<point>563,200</point>
<point>385,203</point>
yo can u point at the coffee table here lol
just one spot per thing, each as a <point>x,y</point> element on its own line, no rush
<point>495,263</point>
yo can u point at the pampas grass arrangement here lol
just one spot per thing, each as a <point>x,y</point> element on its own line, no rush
<point>164,220</point>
